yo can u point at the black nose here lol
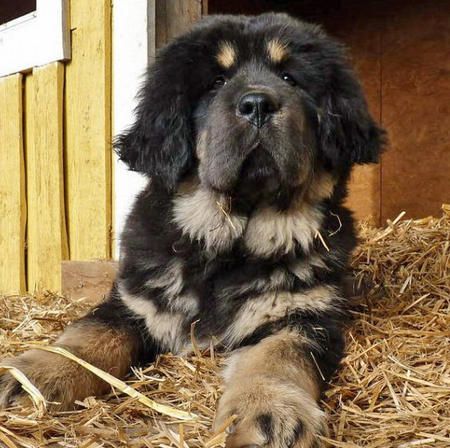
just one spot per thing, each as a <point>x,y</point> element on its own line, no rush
<point>257,107</point>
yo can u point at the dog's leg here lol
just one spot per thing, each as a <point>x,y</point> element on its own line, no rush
<point>273,388</point>
<point>107,338</point>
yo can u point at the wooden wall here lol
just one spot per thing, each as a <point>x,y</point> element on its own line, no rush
<point>55,156</point>
<point>55,152</point>
<point>400,49</point>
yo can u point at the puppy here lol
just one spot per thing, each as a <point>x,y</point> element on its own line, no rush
<point>247,128</point>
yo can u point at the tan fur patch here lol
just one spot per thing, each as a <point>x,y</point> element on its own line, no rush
<point>278,353</point>
<point>270,231</point>
<point>201,145</point>
<point>273,306</point>
<point>202,215</point>
<point>227,55</point>
<point>277,50</point>
<point>170,279</point>
<point>322,187</point>
<point>165,328</point>
<point>277,280</point>
<point>274,378</point>
<point>302,269</point>
<point>107,348</point>
<point>62,381</point>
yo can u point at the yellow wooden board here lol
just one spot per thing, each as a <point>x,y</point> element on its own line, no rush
<point>12,187</point>
<point>46,232</point>
<point>88,131</point>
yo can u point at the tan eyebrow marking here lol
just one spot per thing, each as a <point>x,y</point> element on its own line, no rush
<point>227,54</point>
<point>277,50</point>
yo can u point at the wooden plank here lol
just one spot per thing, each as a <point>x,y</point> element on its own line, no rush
<point>12,187</point>
<point>88,131</point>
<point>88,279</point>
<point>46,231</point>
<point>174,17</point>
<point>416,108</point>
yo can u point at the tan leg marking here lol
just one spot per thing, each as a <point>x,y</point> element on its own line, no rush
<point>63,381</point>
<point>272,389</point>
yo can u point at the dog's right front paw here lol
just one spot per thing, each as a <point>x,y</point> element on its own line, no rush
<point>59,380</point>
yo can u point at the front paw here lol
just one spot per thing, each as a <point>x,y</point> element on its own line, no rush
<point>60,380</point>
<point>270,413</point>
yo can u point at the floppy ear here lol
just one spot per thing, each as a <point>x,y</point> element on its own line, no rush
<point>159,143</point>
<point>348,133</point>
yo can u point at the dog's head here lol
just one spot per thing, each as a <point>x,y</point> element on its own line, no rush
<point>257,104</point>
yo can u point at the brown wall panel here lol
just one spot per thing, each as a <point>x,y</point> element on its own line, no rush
<point>416,108</point>
<point>363,39</point>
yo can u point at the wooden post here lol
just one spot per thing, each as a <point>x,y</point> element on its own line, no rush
<point>174,17</point>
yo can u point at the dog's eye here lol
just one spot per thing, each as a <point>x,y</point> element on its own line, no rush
<point>219,81</point>
<point>289,79</point>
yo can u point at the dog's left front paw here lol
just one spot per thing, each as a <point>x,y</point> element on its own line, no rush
<point>270,413</point>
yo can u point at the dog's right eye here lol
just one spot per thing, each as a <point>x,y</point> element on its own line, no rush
<point>289,79</point>
<point>219,82</point>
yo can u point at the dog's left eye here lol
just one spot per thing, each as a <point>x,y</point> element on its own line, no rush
<point>289,79</point>
<point>219,81</point>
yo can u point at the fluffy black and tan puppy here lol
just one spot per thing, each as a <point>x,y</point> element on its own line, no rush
<point>248,128</point>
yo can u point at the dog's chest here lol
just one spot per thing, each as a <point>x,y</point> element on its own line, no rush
<point>203,216</point>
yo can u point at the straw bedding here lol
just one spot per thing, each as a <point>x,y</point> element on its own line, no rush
<point>393,389</point>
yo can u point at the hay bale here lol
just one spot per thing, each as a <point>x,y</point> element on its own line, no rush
<point>393,389</point>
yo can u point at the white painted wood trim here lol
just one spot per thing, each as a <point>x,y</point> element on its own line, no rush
<point>37,38</point>
<point>133,43</point>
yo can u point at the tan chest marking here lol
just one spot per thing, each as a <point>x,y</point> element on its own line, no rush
<point>202,215</point>
<point>270,231</point>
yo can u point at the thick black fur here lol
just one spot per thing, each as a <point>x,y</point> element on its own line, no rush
<point>161,142</point>
<point>178,101</point>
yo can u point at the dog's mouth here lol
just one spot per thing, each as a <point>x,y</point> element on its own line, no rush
<point>258,177</point>
<point>259,168</point>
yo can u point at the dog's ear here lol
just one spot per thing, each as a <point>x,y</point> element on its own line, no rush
<point>159,143</point>
<point>348,133</point>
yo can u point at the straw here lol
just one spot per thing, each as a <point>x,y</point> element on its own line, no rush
<point>393,389</point>
<point>118,384</point>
